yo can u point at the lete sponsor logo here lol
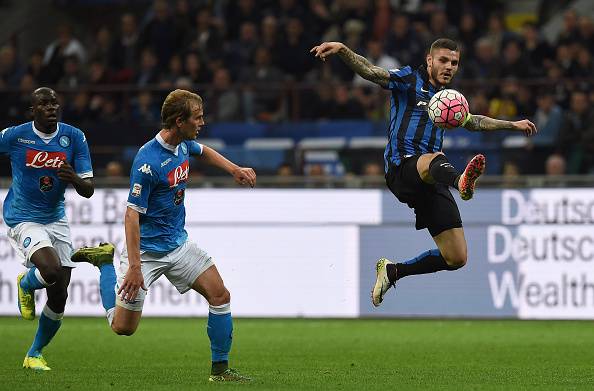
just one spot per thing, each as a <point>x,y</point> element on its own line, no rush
<point>179,174</point>
<point>44,159</point>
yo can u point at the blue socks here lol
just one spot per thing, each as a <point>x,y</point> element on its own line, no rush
<point>49,323</point>
<point>220,331</point>
<point>33,280</point>
<point>107,282</point>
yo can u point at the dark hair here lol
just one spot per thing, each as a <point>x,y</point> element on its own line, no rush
<point>444,43</point>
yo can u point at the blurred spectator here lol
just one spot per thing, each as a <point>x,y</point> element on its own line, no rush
<point>148,73</point>
<point>98,73</point>
<point>578,122</point>
<point>222,99</point>
<point>35,65</point>
<point>195,69</point>
<point>11,70</point>
<point>205,37</point>
<point>55,54</point>
<point>375,54</point>
<point>382,19</point>
<point>514,64</point>
<point>242,51</point>
<point>175,71</point>
<point>569,32</point>
<point>496,32</point>
<point>124,53</point>
<point>582,66</point>
<point>555,165</point>
<point>16,106</point>
<point>372,169</point>
<point>144,110</point>
<point>548,119</point>
<point>114,169</point>
<point>285,170</point>
<point>439,26</point>
<point>537,51</point>
<point>288,9</point>
<point>294,56</point>
<point>586,32</point>
<point>238,12</point>
<point>504,106</point>
<point>468,34</point>
<point>486,64</point>
<point>262,95</point>
<point>510,173</point>
<point>77,110</point>
<point>270,37</point>
<point>345,107</point>
<point>162,34</point>
<point>102,46</point>
<point>109,112</point>
<point>72,76</point>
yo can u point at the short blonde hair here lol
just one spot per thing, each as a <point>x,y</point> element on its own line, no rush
<point>177,104</point>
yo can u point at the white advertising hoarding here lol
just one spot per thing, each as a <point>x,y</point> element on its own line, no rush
<point>297,266</point>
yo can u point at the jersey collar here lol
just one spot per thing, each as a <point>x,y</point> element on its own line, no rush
<point>173,148</point>
<point>45,137</point>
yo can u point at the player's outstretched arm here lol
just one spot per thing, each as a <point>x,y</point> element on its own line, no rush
<point>242,175</point>
<point>484,123</point>
<point>83,187</point>
<point>357,63</point>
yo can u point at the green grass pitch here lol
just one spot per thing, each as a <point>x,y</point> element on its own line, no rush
<point>369,354</point>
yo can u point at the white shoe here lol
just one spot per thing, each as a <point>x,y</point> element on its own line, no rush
<point>382,283</point>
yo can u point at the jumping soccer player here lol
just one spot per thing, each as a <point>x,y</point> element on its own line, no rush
<point>46,156</point>
<point>417,172</point>
<point>156,240</point>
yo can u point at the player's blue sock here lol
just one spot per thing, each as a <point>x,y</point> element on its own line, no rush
<point>107,282</point>
<point>33,280</point>
<point>49,323</point>
<point>220,332</point>
<point>428,262</point>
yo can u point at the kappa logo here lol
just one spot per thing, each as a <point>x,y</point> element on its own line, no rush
<point>146,169</point>
<point>166,162</point>
<point>25,141</point>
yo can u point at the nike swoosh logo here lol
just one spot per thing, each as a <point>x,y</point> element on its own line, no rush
<point>422,90</point>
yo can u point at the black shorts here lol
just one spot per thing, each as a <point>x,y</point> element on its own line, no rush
<point>434,205</point>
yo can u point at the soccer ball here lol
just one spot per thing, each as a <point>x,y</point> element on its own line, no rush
<point>448,109</point>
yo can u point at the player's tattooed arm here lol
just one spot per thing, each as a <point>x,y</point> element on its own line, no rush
<point>484,123</point>
<point>356,62</point>
<point>363,67</point>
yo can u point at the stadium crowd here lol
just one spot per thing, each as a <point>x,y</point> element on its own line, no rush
<point>250,60</point>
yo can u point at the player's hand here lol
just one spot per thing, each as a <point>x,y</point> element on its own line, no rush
<point>526,126</point>
<point>326,49</point>
<point>133,282</point>
<point>66,173</point>
<point>245,176</point>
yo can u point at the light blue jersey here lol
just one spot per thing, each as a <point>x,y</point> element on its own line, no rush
<point>37,194</point>
<point>157,188</point>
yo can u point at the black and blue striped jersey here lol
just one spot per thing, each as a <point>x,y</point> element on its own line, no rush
<point>410,132</point>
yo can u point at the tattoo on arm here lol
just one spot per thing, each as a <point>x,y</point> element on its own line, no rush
<point>484,123</point>
<point>364,68</point>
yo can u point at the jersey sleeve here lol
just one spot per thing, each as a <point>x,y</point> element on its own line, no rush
<point>399,78</point>
<point>143,178</point>
<point>195,148</point>
<point>5,138</point>
<point>82,157</point>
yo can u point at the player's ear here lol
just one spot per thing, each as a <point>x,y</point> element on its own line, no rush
<point>428,59</point>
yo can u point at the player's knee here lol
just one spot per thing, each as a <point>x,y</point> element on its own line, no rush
<point>51,273</point>
<point>456,260</point>
<point>220,298</point>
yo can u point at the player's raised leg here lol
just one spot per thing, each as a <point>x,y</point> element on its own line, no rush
<point>220,324</point>
<point>50,320</point>
<point>451,254</point>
